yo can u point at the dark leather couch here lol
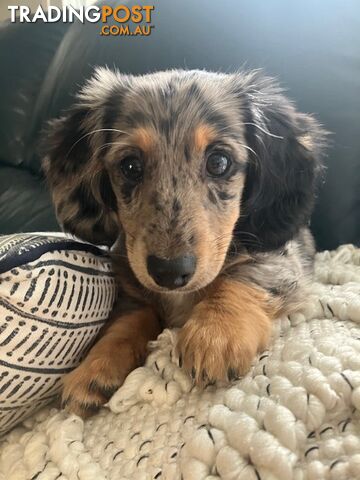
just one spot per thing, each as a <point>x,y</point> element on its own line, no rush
<point>312,47</point>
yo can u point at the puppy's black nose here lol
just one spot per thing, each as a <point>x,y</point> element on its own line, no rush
<point>173,273</point>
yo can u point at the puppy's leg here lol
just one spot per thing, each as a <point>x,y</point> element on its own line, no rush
<point>120,349</point>
<point>226,330</point>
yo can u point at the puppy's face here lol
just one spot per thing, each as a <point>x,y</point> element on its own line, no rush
<point>176,162</point>
<point>173,161</point>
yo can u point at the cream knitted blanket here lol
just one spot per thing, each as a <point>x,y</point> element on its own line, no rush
<point>294,416</point>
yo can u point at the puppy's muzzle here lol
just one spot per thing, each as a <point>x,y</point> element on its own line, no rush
<point>171,273</point>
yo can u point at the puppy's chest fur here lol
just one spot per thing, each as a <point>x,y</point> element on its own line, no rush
<point>176,308</point>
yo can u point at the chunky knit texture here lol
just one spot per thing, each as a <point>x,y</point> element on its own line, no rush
<point>294,416</point>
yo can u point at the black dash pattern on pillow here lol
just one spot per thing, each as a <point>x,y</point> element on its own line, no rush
<point>55,295</point>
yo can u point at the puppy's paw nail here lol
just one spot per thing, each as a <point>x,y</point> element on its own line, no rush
<point>89,409</point>
<point>180,361</point>
<point>232,374</point>
<point>106,390</point>
<point>210,383</point>
<point>193,373</point>
<point>93,386</point>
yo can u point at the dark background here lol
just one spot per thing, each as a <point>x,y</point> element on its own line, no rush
<point>312,47</point>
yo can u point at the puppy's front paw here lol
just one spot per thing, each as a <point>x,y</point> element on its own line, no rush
<point>219,342</point>
<point>121,349</point>
<point>210,354</point>
<point>94,381</point>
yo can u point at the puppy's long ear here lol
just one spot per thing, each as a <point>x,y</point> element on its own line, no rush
<point>84,201</point>
<point>284,164</point>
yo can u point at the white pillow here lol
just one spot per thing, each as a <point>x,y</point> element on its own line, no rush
<point>55,295</point>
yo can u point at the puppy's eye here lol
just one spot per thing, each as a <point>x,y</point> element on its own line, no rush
<point>218,164</point>
<point>132,168</point>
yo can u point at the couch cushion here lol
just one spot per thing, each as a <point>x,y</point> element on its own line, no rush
<point>25,204</point>
<point>26,49</point>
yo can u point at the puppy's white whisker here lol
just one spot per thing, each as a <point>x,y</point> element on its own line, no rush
<point>105,145</point>
<point>92,133</point>
<point>264,131</point>
<point>249,148</point>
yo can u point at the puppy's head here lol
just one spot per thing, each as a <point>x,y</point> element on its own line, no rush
<point>180,163</point>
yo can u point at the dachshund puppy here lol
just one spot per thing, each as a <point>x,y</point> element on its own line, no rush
<point>205,184</point>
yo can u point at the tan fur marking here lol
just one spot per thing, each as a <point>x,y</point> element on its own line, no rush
<point>121,348</point>
<point>203,136</point>
<point>144,138</point>
<point>226,330</point>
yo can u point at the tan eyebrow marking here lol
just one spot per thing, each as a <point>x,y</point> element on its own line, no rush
<point>203,135</point>
<point>144,138</point>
